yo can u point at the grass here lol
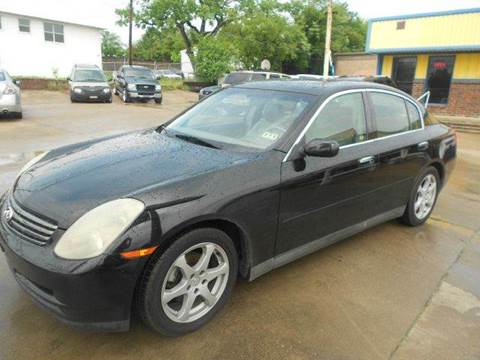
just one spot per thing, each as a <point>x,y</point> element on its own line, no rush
<point>173,84</point>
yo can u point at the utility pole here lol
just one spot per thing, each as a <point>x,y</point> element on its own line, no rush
<point>130,20</point>
<point>328,36</point>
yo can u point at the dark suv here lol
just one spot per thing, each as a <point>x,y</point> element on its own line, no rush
<point>88,83</point>
<point>137,82</point>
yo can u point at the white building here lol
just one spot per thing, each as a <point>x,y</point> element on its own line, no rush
<point>34,46</point>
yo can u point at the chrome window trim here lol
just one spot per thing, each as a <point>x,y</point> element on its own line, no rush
<point>352,91</point>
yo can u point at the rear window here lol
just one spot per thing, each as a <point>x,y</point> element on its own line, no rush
<point>259,76</point>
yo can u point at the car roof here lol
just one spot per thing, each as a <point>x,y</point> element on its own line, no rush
<point>135,67</point>
<point>316,88</point>
<point>86,66</point>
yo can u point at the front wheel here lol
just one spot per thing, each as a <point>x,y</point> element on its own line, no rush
<point>423,198</point>
<point>158,101</point>
<point>186,285</point>
<point>125,96</point>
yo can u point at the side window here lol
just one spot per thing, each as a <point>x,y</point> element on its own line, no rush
<point>274,76</point>
<point>414,115</point>
<point>342,120</point>
<point>390,114</point>
<point>258,76</point>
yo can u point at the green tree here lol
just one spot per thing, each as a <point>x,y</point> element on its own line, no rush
<point>348,31</point>
<point>158,45</point>
<point>266,34</point>
<point>193,19</point>
<point>112,45</point>
<point>214,58</point>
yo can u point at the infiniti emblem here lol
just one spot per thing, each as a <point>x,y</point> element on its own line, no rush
<point>8,213</point>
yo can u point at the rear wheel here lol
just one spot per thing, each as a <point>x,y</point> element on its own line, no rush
<point>186,285</point>
<point>18,115</point>
<point>423,198</point>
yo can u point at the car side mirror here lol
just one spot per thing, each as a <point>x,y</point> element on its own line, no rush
<point>17,82</point>
<point>321,148</point>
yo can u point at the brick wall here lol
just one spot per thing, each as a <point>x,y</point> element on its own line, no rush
<point>355,64</point>
<point>463,100</point>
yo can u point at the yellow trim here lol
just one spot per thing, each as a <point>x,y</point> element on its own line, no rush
<point>467,66</point>
<point>387,65</point>
<point>422,66</point>
<point>436,31</point>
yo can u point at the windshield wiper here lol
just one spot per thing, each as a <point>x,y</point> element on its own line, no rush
<point>196,140</point>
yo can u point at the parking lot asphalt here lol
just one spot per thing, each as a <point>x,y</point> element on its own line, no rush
<point>390,292</point>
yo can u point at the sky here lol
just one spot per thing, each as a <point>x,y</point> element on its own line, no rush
<point>101,13</point>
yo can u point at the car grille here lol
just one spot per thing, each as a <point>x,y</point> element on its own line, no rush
<point>146,88</point>
<point>28,226</point>
<point>93,88</point>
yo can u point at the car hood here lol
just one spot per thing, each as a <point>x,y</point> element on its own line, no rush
<point>135,80</point>
<point>70,181</point>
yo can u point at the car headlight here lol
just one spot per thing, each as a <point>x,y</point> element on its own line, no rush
<point>96,230</point>
<point>32,162</point>
<point>77,90</point>
<point>9,90</point>
<point>132,87</point>
<point>158,87</point>
<point>106,90</point>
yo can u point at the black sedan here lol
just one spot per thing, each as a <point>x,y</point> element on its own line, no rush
<point>163,221</point>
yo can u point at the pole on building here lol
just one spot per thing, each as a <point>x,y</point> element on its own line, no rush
<point>328,36</point>
<point>130,20</point>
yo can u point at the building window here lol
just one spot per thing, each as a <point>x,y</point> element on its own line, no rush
<point>439,77</point>
<point>400,25</point>
<point>24,25</point>
<point>53,32</point>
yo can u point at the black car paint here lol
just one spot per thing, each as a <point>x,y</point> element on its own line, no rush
<point>275,209</point>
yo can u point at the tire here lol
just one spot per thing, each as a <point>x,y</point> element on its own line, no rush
<point>158,101</point>
<point>125,96</point>
<point>166,316</point>
<point>72,99</point>
<point>18,115</point>
<point>416,215</point>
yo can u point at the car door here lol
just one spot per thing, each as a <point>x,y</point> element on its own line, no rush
<point>321,197</point>
<point>401,143</point>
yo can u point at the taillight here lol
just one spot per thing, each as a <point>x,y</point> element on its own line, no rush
<point>9,90</point>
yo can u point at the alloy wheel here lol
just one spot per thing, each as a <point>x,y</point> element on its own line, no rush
<point>195,282</point>
<point>425,197</point>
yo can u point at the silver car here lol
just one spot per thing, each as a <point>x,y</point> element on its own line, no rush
<point>10,96</point>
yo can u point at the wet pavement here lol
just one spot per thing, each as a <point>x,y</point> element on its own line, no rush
<point>391,292</point>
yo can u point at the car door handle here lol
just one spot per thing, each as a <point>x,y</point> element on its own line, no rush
<point>366,160</point>
<point>423,145</point>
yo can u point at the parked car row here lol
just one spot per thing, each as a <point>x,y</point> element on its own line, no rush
<point>239,77</point>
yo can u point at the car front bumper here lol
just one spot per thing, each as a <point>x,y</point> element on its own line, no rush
<point>94,294</point>
<point>91,96</point>
<point>10,103</point>
<point>144,95</point>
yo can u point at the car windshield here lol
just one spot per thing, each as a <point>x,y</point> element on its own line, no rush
<point>140,73</point>
<point>249,118</point>
<point>2,76</point>
<point>236,78</point>
<point>89,75</point>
